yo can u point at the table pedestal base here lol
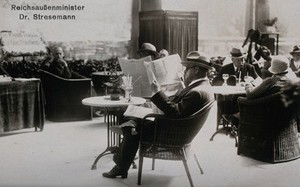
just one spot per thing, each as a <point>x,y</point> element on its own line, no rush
<point>109,150</point>
<point>111,118</point>
<point>226,130</point>
<point>227,107</point>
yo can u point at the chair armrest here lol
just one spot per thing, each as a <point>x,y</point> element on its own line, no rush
<point>63,79</point>
<point>163,117</point>
<point>176,131</point>
<point>78,80</point>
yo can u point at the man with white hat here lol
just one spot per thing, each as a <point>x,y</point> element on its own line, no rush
<point>281,74</point>
<point>191,99</point>
<point>238,68</point>
<point>295,61</point>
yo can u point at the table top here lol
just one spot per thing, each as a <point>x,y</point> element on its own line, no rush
<point>105,101</point>
<point>15,81</point>
<point>228,90</point>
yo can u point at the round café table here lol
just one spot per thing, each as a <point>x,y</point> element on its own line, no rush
<point>113,114</point>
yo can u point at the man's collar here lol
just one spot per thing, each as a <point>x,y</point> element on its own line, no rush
<point>235,68</point>
<point>196,80</point>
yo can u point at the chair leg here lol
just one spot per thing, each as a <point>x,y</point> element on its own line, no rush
<point>188,172</point>
<point>201,170</point>
<point>133,165</point>
<point>153,163</point>
<point>141,159</point>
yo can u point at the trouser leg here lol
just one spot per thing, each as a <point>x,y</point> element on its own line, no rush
<point>127,150</point>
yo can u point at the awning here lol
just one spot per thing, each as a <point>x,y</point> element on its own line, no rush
<point>22,44</point>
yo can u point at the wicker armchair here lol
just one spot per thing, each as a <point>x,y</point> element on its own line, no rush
<point>172,139</point>
<point>268,130</point>
<point>63,98</point>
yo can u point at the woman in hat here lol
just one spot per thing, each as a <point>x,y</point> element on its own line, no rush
<point>281,75</point>
<point>295,61</point>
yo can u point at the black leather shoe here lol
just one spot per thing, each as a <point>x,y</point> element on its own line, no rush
<point>114,172</point>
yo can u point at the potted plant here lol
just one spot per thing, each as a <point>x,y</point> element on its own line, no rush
<point>270,25</point>
<point>115,82</point>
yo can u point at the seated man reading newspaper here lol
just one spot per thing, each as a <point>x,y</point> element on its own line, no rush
<point>186,102</point>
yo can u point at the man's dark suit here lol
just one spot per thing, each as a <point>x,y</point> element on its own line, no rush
<point>185,103</point>
<point>294,67</point>
<point>58,68</point>
<point>247,69</point>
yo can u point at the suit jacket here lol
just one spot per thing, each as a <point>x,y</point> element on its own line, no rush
<point>269,86</point>
<point>294,68</point>
<point>185,103</point>
<point>247,69</point>
<point>58,68</point>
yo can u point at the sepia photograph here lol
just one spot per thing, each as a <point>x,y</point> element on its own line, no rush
<point>152,93</point>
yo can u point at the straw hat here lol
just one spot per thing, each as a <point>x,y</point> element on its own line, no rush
<point>148,47</point>
<point>195,59</point>
<point>279,64</point>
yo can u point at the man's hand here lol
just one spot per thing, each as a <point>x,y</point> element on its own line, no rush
<point>64,62</point>
<point>155,87</point>
<point>248,88</point>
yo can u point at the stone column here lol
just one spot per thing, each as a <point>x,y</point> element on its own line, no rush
<point>262,13</point>
<point>250,16</point>
<point>147,5</point>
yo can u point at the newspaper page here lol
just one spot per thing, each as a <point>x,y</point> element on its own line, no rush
<point>167,72</point>
<point>138,111</point>
<point>136,69</point>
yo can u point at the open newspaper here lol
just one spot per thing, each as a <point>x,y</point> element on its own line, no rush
<point>166,71</point>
